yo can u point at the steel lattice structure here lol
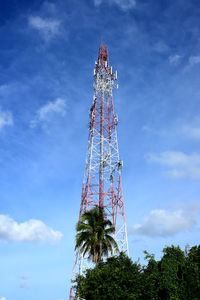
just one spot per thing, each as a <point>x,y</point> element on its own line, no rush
<point>102,185</point>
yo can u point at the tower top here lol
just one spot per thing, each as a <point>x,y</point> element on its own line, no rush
<point>103,53</point>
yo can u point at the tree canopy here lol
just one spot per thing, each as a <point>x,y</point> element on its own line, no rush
<point>176,276</point>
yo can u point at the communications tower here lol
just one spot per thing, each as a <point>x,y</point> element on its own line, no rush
<point>102,185</point>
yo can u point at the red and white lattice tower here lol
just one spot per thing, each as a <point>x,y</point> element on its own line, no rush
<point>102,185</point>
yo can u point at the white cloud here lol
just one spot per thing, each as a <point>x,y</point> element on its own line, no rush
<point>191,131</point>
<point>162,222</point>
<point>24,285</point>
<point>29,231</point>
<point>46,112</point>
<point>193,60</point>
<point>48,28</point>
<point>181,164</point>
<point>3,298</point>
<point>161,47</point>
<point>151,130</point>
<point>4,88</point>
<point>6,119</point>
<point>123,4</point>
<point>97,2</point>
<point>25,276</point>
<point>176,173</point>
<point>174,59</point>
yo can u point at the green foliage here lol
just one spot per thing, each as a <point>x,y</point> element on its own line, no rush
<point>171,272</point>
<point>94,235</point>
<point>117,278</point>
<point>194,255</point>
<point>150,278</point>
<point>176,276</point>
<point>192,273</point>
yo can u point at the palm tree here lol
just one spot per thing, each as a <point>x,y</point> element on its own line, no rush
<point>93,235</point>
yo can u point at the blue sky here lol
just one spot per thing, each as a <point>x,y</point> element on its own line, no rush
<point>47,55</point>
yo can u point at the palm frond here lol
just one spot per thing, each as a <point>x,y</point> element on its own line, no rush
<point>94,235</point>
